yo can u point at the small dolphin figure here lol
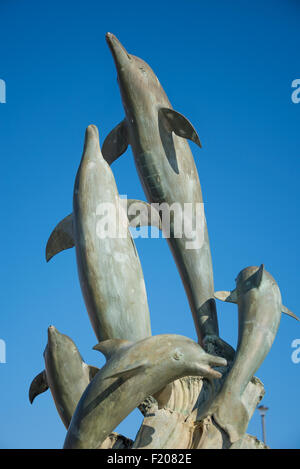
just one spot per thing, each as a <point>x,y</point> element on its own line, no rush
<point>109,268</point>
<point>132,372</point>
<point>157,135</point>
<point>66,374</point>
<point>260,307</point>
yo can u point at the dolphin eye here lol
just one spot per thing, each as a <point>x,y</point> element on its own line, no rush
<point>142,69</point>
<point>177,355</point>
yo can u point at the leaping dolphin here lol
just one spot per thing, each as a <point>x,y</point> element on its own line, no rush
<point>66,374</point>
<point>109,268</point>
<point>157,135</point>
<point>132,372</point>
<point>259,305</point>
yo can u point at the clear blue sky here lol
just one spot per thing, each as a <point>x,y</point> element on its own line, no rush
<point>228,67</point>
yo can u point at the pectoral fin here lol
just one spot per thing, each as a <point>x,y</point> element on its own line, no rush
<point>38,386</point>
<point>116,143</point>
<point>180,125</point>
<point>111,346</point>
<point>142,214</point>
<point>228,296</point>
<point>127,372</point>
<point>61,238</point>
<point>287,311</point>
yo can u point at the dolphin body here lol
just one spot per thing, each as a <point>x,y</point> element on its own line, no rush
<point>168,175</point>
<point>132,372</point>
<point>259,305</point>
<point>66,374</point>
<point>109,268</point>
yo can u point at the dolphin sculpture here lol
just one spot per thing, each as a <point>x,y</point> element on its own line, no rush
<point>132,372</point>
<point>116,303</point>
<point>66,374</point>
<point>158,138</point>
<point>259,304</point>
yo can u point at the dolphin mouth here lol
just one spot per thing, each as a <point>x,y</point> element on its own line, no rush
<point>207,369</point>
<point>118,51</point>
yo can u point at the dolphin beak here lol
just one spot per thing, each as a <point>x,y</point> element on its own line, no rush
<point>217,361</point>
<point>207,369</point>
<point>119,52</point>
<point>52,334</point>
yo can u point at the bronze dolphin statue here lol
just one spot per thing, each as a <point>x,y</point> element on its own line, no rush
<point>165,165</point>
<point>260,306</point>
<point>109,268</point>
<point>132,372</point>
<point>66,374</point>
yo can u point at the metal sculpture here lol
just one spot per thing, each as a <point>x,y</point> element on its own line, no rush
<point>186,403</point>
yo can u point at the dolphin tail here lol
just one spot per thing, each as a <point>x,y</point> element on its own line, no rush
<point>61,238</point>
<point>38,386</point>
<point>214,345</point>
<point>232,416</point>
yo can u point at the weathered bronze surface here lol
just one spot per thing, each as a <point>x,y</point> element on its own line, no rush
<point>186,403</point>
<point>66,374</point>
<point>259,304</point>
<point>133,371</point>
<point>109,269</point>
<point>157,135</point>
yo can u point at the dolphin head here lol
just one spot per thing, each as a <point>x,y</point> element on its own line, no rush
<point>251,279</point>
<point>134,75</point>
<point>61,346</point>
<point>197,362</point>
<point>254,279</point>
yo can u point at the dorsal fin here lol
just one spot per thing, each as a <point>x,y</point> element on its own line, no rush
<point>116,143</point>
<point>180,125</point>
<point>61,237</point>
<point>111,346</point>
<point>287,311</point>
<point>141,213</point>
<point>228,296</point>
<point>38,386</point>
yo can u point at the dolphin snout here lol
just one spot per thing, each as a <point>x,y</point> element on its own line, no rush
<point>52,333</point>
<point>209,362</point>
<point>217,361</point>
<point>51,329</point>
<point>118,51</point>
